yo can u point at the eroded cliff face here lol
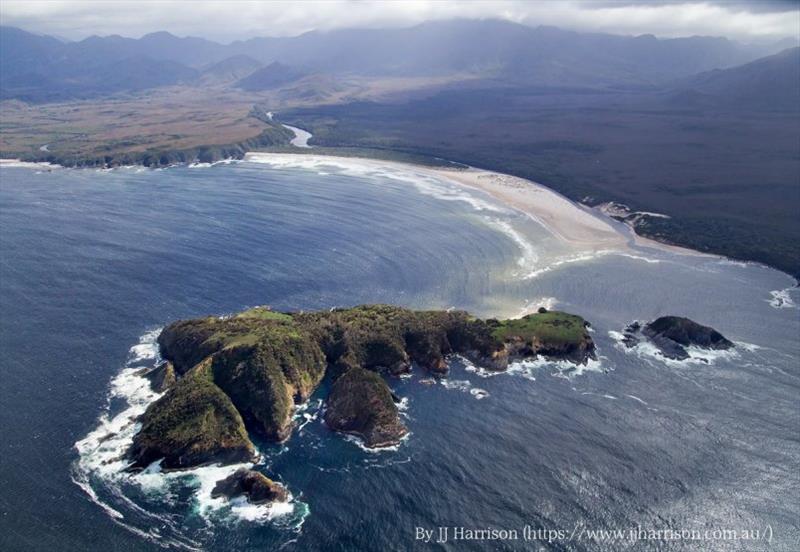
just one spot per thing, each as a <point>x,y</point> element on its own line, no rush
<point>230,376</point>
<point>194,423</point>
<point>361,403</point>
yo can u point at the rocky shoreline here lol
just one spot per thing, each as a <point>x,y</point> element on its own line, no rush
<point>273,135</point>
<point>671,335</point>
<point>227,379</point>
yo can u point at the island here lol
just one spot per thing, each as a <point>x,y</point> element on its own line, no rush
<point>227,379</point>
<point>673,334</point>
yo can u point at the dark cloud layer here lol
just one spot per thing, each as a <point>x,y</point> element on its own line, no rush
<point>237,19</point>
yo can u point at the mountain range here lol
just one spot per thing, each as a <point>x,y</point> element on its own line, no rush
<point>38,68</point>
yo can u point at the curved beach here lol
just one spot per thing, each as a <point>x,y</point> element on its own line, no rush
<point>583,229</point>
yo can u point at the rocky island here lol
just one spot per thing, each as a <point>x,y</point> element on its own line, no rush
<point>226,379</point>
<point>673,334</point>
<point>257,487</point>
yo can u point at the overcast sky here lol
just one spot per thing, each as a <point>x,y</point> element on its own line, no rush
<point>230,20</point>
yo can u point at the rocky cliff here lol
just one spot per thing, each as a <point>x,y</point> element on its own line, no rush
<point>227,378</point>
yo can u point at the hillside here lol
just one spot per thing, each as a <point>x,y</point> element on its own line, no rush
<point>714,156</point>
<point>770,83</point>
<point>272,76</point>
<point>230,69</point>
<point>42,69</point>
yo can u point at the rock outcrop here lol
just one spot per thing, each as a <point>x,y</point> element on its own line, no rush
<point>227,376</point>
<point>257,487</point>
<point>162,377</point>
<point>360,403</point>
<point>194,423</point>
<point>672,334</point>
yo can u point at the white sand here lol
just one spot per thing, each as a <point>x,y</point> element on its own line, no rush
<point>582,228</point>
<point>568,221</point>
<point>575,225</point>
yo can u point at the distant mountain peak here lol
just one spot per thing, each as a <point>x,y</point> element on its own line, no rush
<point>272,76</point>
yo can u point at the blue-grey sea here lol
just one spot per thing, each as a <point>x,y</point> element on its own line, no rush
<point>93,263</point>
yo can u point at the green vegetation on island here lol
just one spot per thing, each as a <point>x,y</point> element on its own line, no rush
<point>227,376</point>
<point>194,423</point>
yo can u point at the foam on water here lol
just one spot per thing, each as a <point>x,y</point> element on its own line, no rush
<point>646,350</point>
<point>19,164</point>
<point>100,470</point>
<point>529,257</point>
<point>205,478</point>
<point>528,368</point>
<point>781,299</point>
<point>465,386</point>
<point>531,263</point>
<point>403,405</point>
<point>570,259</point>
<point>479,393</point>
<point>477,370</point>
<point>461,385</point>
<point>359,442</point>
<point>102,450</point>
<point>201,165</point>
<point>637,399</point>
<point>425,184</point>
<point>585,257</point>
<point>307,412</point>
<point>561,368</point>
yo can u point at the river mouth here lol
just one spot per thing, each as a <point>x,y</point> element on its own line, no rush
<point>94,260</point>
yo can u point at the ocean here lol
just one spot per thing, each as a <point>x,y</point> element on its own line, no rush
<point>631,452</point>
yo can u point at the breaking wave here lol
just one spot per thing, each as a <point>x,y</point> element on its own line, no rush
<point>781,299</point>
<point>131,499</point>
<point>646,350</point>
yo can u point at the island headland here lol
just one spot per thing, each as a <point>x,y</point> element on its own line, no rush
<point>226,379</point>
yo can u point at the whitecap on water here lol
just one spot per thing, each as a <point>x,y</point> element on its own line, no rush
<point>402,406</point>
<point>646,350</point>
<point>477,370</point>
<point>563,261</point>
<point>527,368</point>
<point>781,299</point>
<point>479,393</point>
<point>461,385</point>
<point>100,469</point>
<point>465,386</point>
<point>16,163</point>
<point>359,442</point>
<point>201,165</point>
<point>528,255</point>
<point>426,184</point>
<point>307,412</point>
<point>585,257</point>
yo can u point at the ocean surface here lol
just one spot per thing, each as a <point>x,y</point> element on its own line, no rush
<point>94,263</point>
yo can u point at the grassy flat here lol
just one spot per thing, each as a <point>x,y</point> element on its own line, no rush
<point>553,326</point>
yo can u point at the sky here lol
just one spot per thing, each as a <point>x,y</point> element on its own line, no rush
<point>227,20</point>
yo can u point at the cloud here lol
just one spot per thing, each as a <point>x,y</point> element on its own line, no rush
<point>231,20</point>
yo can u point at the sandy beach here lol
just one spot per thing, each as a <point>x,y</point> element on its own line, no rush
<point>566,220</point>
<point>582,228</point>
